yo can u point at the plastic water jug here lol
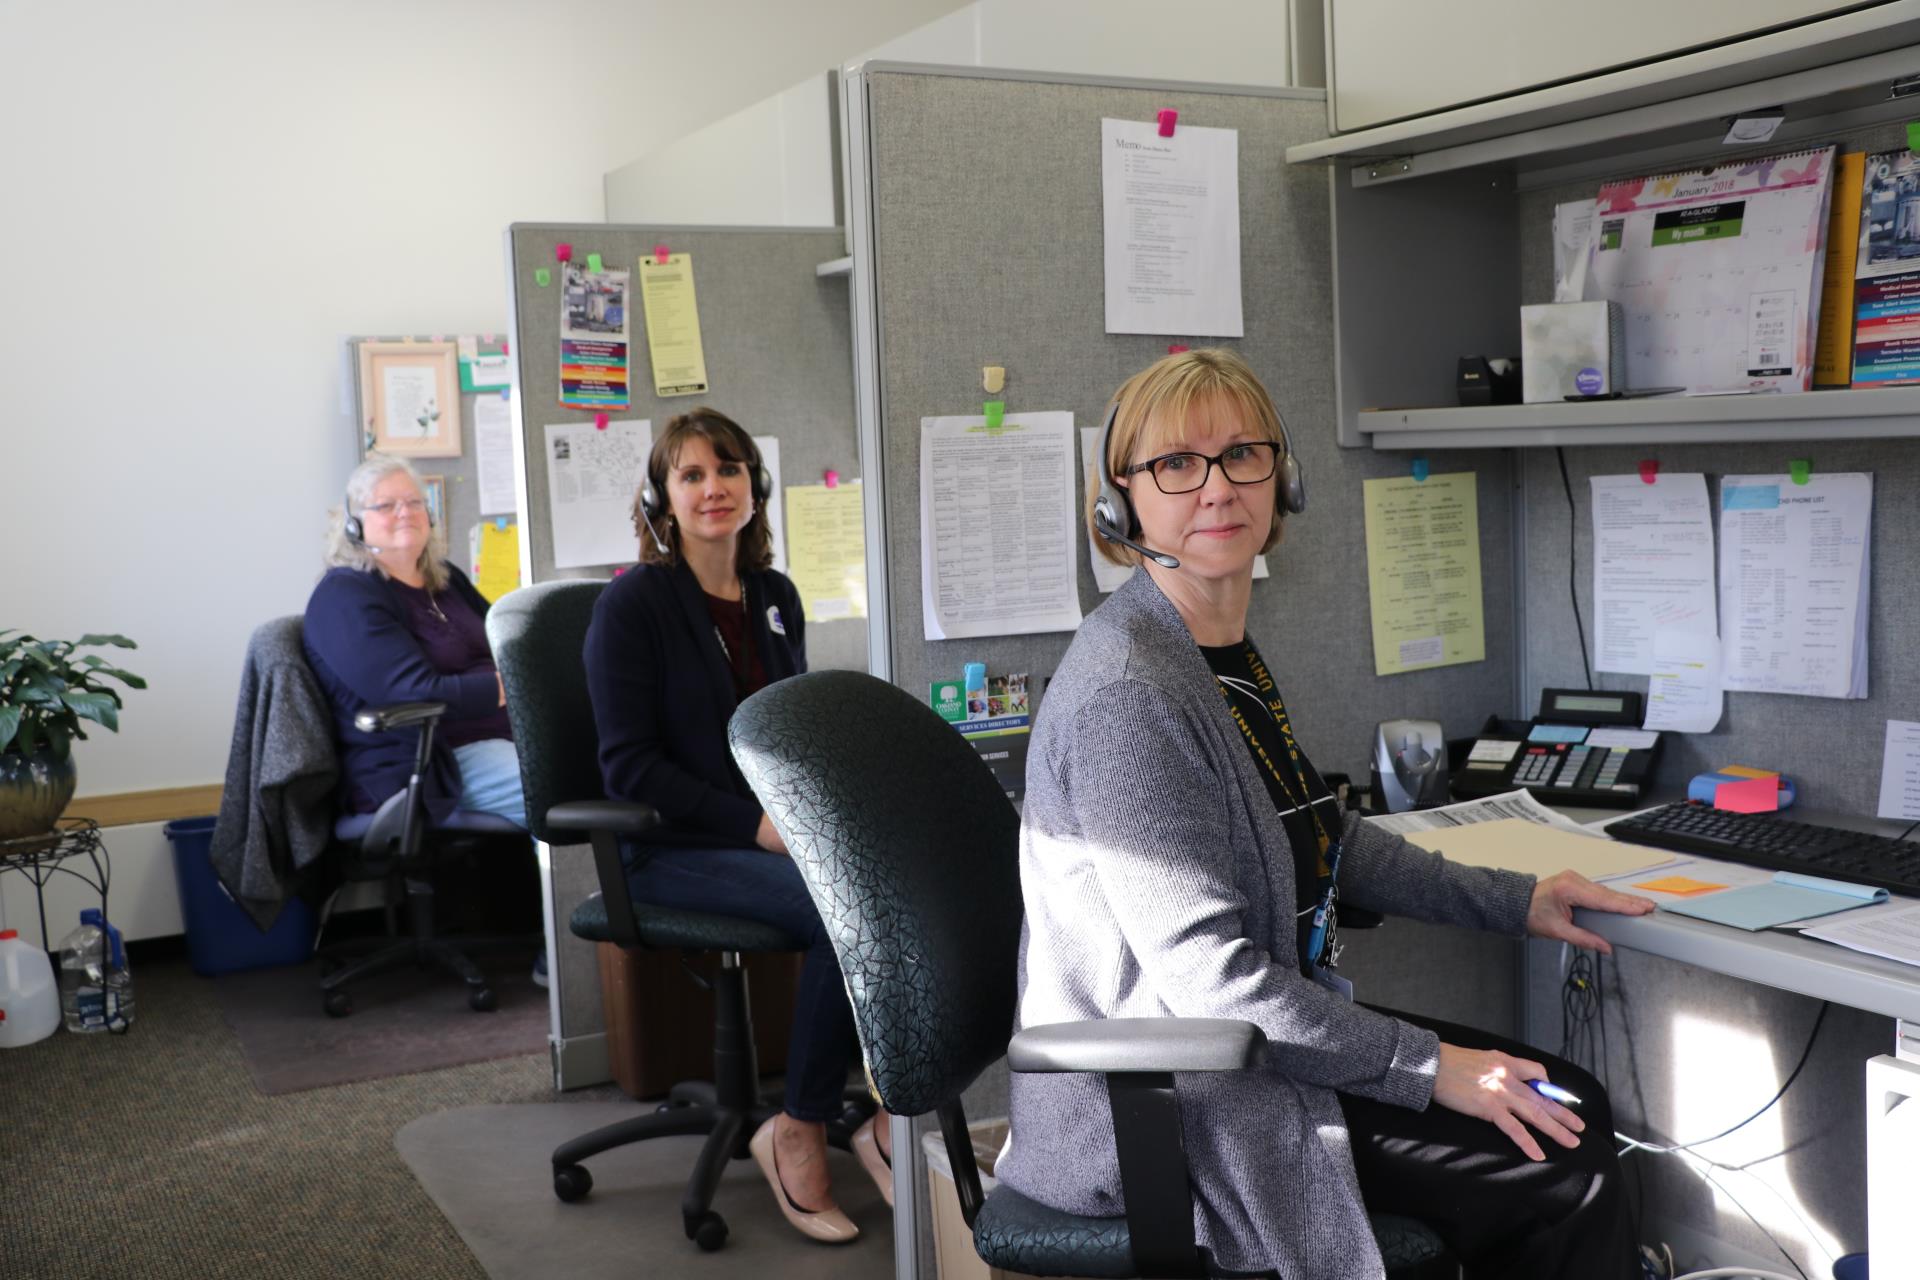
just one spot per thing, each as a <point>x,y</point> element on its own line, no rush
<point>29,996</point>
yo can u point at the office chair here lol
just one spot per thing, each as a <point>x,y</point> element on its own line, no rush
<point>397,846</point>
<point>537,634</point>
<point>910,850</point>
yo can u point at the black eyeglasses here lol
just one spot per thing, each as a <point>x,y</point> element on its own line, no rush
<point>1184,472</point>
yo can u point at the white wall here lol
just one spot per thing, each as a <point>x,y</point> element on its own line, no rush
<point>202,197</point>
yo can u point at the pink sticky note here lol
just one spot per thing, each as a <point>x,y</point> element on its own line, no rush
<point>599,422</point>
<point>660,254</point>
<point>564,252</point>
<point>1167,119</point>
<point>833,479</point>
<point>1749,795</point>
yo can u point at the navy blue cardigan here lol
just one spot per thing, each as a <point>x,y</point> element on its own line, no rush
<point>360,650</point>
<point>662,696</point>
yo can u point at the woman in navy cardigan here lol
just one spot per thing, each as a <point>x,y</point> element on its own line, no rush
<point>675,645</point>
<point>391,621</point>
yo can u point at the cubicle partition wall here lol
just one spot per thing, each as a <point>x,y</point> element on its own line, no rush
<point>977,234</point>
<point>779,362</point>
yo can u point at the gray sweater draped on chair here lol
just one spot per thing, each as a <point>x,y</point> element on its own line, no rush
<point>1159,882</point>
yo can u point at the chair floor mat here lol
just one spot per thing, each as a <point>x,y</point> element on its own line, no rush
<point>488,1170</point>
<point>403,1021</point>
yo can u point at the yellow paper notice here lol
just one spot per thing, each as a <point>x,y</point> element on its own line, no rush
<point>1423,572</point>
<point>499,561</point>
<point>826,550</point>
<point>673,325</point>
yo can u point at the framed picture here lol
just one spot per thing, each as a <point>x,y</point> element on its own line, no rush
<point>410,394</point>
<point>436,495</point>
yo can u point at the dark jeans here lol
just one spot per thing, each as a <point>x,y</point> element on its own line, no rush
<point>756,885</point>
<point>1504,1216</point>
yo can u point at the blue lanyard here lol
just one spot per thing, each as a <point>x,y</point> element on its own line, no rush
<point>1325,915</point>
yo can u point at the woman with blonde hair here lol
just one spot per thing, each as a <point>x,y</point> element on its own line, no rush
<point>1180,856</point>
<point>392,621</point>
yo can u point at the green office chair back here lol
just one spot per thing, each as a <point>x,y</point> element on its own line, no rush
<point>911,851</point>
<point>537,634</point>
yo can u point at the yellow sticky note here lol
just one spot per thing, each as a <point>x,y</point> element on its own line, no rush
<point>1682,885</point>
<point>1423,572</point>
<point>499,564</point>
<point>826,549</point>
<point>673,326</point>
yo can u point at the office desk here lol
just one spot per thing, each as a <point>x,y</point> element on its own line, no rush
<point>1824,971</point>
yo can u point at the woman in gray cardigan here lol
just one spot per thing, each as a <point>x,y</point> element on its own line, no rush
<point>1178,857</point>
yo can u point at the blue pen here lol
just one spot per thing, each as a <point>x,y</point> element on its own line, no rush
<point>1554,1093</point>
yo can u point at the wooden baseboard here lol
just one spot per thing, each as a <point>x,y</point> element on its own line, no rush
<point>129,807</point>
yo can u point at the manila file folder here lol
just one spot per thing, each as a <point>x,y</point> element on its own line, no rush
<point>1514,844</point>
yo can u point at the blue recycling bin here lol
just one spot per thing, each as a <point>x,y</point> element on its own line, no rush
<point>221,937</point>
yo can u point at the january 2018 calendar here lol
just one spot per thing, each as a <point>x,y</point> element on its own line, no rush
<point>1718,272</point>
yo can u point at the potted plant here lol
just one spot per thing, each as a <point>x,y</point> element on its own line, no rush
<point>45,692</point>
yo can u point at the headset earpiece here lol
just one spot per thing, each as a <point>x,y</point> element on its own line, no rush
<point>356,531</point>
<point>1112,510</point>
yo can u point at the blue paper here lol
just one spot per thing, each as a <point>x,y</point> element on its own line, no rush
<point>1787,897</point>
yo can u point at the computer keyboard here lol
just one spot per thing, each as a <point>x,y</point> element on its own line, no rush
<point>1772,843</point>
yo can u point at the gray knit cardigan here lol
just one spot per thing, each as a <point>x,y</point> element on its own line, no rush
<point>1159,881</point>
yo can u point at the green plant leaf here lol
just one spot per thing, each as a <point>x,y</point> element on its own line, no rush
<point>23,742</point>
<point>9,724</point>
<point>100,668</point>
<point>36,653</point>
<point>60,741</point>
<point>118,642</point>
<point>97,707</point>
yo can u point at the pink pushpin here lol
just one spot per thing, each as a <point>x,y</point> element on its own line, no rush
<point>563,252</point>
<point>660,255</point>
<point>1174,348</point>
<point>1649,471</point>
<point>1167,119</point>
<point>600,421</point>
<point>504,350</point>
<point>833,479</point>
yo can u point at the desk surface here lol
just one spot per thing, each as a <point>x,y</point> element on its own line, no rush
<point>1773,957</point>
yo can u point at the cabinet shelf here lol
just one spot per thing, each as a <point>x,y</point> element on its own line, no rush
<point>1882,414</point>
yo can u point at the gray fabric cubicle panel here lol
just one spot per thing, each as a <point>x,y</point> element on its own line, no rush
<point>1832,746</point>
<point>779,361</point>
<point>988,246</point>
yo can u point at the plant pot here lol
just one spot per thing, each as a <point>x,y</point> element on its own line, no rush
<point>34,791</point>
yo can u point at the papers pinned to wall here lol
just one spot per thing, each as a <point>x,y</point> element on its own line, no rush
<point>997,526</point>
<point>1423,572</point>
<point>1652,565</point>
<point>594,344</point>
<point>1172,225</point>
<point>673,326</point>
<point>826,550</point>
<point>592,476</point>
<point>493,454</point>
<point>1794,575</point>
<point>496,558</point>
<point>776,515</point>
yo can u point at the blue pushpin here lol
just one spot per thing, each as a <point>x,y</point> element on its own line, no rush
<point>1420,470</point>
<point>500,523</point>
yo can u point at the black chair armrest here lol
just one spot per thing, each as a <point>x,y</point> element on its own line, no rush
<point>1138,1044</point>
<point>621,817</point>
<point>401,715</point>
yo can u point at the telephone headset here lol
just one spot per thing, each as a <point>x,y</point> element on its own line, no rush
<point>1113,517</point>
<point>356,530</point>
<point>653,501</point>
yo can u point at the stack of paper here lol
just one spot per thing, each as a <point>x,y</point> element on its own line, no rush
<point>1787,897</point>
<point>1794,571</point>
<point>1887,295</point>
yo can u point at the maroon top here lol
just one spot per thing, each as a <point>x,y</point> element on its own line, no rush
<point>454,639</point>
<point>730,621</point>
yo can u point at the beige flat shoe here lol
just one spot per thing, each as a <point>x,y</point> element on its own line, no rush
<point>829,1226</point>
<point>866,1145</point>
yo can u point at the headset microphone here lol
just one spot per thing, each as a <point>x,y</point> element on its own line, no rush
<point>1108,521</point>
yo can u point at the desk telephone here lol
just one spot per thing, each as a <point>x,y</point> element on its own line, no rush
<point>1585,747</point>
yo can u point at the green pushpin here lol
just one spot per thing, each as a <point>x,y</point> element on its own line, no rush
<point>996,411</point>
<point>1913,135</point>
<point>542,277</point>
<point>1800,469</point>
<point>593,262</point>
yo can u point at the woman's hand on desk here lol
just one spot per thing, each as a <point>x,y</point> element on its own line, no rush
<point>1492,1086</point>
<point>1551,915</point>
<point>767,838</point>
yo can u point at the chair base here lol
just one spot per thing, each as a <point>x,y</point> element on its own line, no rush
<point>424,948</point>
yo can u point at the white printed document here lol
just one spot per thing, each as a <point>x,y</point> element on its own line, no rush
<point>1900,771</point>
<point>1685,690</point>
<point>1891,934</point>
<point>1508,804</point>
<point>776,510</point>
<point>1652,565</point>
<point>1172,224</point>
<point>1794,574</point>
<point>997,526</point>
<point>592,475</point>
<point>493,454</point>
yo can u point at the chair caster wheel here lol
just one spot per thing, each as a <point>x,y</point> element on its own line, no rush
<point>338,1004</point>
<point>482,1000</point>
<point>572,1182</point>
<point>709,1231</point>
